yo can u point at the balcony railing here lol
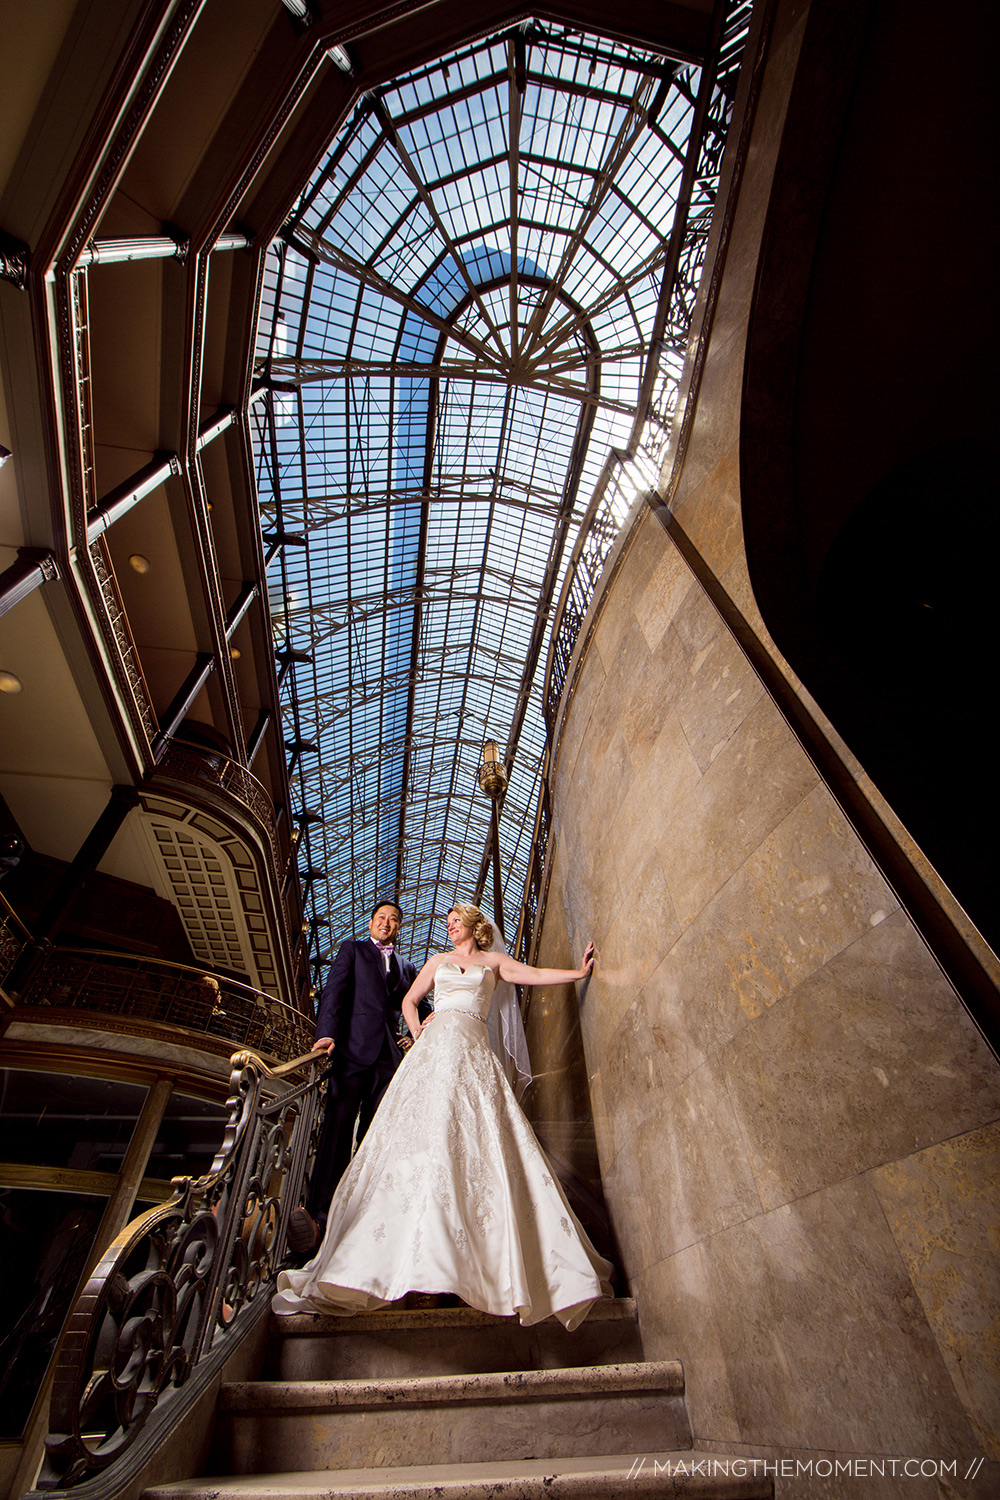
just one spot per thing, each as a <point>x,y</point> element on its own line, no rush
<point>14,938</point>
<point>144,989</point>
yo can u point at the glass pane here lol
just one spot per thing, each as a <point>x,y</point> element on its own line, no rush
<point>58,1120</point>
<point>45,1239</point>
<point>189,1136</point>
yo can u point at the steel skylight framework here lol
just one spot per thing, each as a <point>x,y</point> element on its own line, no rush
<point>455,331</point>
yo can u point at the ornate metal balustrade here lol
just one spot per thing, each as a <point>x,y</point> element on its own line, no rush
<point>121,984</point>
<point>180,1286</point>
<point>211,771</point>
<point>14,938</point>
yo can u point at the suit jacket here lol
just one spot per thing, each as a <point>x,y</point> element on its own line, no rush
<point>360,1004</point>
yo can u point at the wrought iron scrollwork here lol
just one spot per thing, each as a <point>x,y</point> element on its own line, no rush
<point>173,1286</point>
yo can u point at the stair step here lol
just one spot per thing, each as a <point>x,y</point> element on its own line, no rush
<point>482,1418</point>
<point>445,1341</point>
<point>604,1310</point>
<point>598,1477</point>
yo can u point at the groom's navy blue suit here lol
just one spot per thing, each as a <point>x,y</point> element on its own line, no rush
<point>360,1010</point>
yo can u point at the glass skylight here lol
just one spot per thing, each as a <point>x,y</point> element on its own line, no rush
<point>455,326</point>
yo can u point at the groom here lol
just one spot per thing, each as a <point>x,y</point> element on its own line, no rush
<point>356,1025</point>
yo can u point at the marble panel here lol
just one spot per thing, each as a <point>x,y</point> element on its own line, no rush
<point>720,691</point>
<point>807,892</point>
<point>578,716</point>
<point>650,682</point>
<point>658,603</point>
<point>698,622</point>
<point>677,1012</point>
<point>625,959</point>
<point>693,1162</point>
<point>709,510</point>
<point>618,603</point>
<point>590,895</point>
<point>631,1068</point>
<point>716,429</point>
<point>748,789</point>
<point>603,1122</point>
<point>736,582</point>
<point>943,1208</point>
<point>630,1211</point>
<point>644,891</point>
<point>603,767</point>
<point>678,1319</point>
<point>826,1344</point>
<point>662,789</point>
<point>872,1057</point>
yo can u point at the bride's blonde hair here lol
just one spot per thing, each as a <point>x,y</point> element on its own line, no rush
<point>472,917</point>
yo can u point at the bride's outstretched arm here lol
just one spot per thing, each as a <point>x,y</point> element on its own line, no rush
<point>421,986</point>
<point>516,973</point>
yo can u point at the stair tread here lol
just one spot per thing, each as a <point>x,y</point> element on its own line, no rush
<point>604,1474</point>
<point>606,1310</point>
<point>415,1390</point>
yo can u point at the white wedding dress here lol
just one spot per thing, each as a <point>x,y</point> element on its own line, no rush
<point>450,1191</point>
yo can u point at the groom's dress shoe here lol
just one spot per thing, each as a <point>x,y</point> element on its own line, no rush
<point>303,1232</point>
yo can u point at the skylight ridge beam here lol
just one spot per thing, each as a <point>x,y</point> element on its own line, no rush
<point>441,675</point>
<point>366,277</point>
<point>392,136</point>
<point>478,610</point>
<point>515,64</point>
<point>624,141</point>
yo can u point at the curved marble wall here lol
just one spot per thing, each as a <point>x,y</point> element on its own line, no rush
<point>795,1119</point>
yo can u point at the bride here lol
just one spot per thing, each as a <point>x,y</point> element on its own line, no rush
<point>449,1191</point>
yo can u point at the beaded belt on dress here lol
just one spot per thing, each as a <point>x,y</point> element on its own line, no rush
<point>454,1010</point>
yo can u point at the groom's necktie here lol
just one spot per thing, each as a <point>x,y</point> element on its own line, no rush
<point>389,961</point>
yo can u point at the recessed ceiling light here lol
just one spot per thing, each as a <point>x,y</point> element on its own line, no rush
<point>9,683</point>
<point>235,652</point>
<point>139,563</point>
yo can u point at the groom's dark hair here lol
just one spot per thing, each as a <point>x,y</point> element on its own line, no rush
<point>387,902</point>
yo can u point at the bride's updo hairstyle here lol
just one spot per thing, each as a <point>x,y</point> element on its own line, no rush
<point>472,917</point>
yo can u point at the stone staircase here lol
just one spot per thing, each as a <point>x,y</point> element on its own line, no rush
<point>415,1402</point>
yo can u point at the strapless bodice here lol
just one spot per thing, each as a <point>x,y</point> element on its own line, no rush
<point>471,991</point>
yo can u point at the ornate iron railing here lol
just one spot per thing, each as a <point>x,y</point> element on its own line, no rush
<point>146,989</point>
<point>212,771</point>
<point>176,1290</point>
<point>14,938</point>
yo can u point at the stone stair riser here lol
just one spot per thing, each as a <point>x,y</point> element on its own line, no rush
<point>448,1350</point>
<point>475,1432</point>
